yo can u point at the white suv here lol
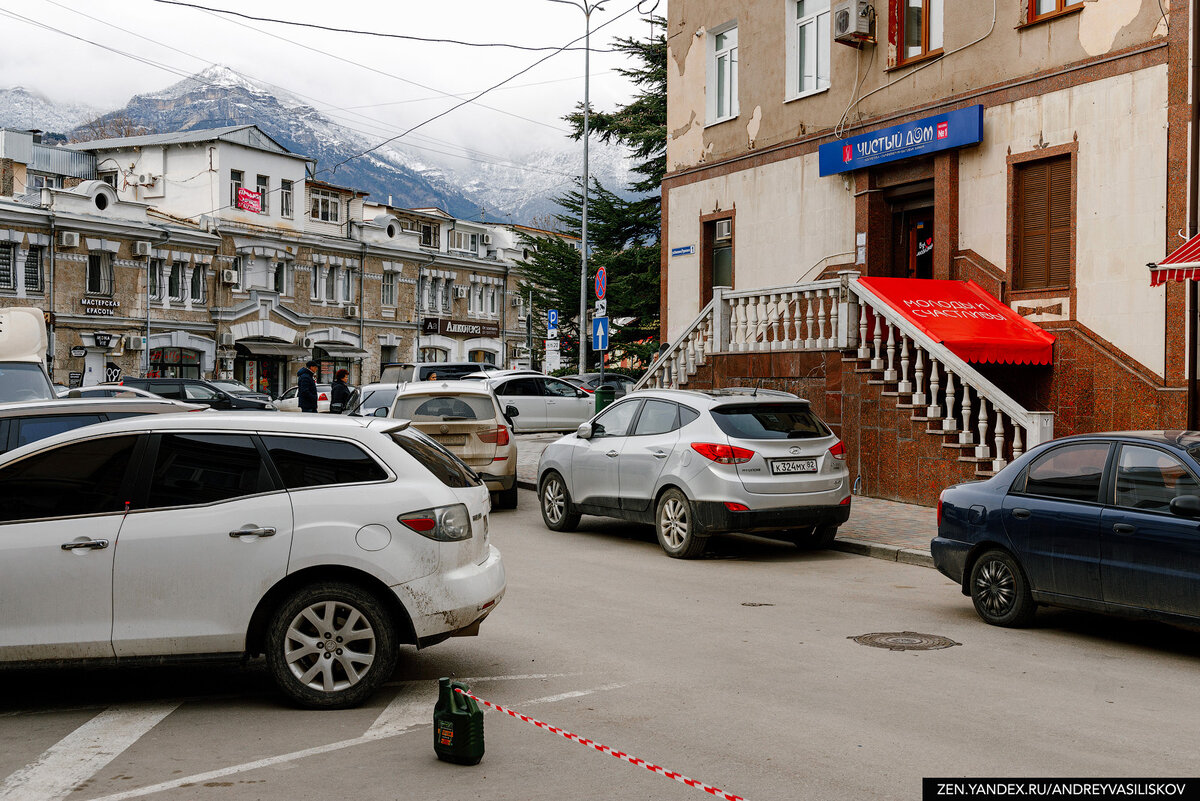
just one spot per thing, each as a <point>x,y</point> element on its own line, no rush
<point>324,543</point>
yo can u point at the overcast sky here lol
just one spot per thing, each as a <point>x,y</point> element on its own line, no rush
<point>377,94</point>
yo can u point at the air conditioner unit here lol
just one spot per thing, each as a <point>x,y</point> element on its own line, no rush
<point>227,340</point>
<point>68,239</point>
<point>135,343</point>
<point>514,301</point>
<point>141,248</point>
<point>852,22</point>
<point>461,291</point>
<point>351,311</point>
<point>724,230</point>
<point>307,343</point>
<point>487,239</point>
<point>229,276</point>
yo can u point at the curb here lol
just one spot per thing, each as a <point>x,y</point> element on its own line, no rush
<point>890,553</point>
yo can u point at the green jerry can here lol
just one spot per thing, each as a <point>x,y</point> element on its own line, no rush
<point>457,725</point>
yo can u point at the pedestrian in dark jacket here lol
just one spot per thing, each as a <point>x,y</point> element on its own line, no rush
<point>306,393</point>
<point>339,394</point>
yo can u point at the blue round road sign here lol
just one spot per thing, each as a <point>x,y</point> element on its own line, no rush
<point>601,283</point>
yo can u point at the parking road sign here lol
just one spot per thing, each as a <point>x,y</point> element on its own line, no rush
<point>601,283</point>
<point>599,333</point>
<point>552,318</point>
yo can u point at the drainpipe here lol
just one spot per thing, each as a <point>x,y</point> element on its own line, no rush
<point>504,318</point>
<point>50,285</point>
<point>362,308</point>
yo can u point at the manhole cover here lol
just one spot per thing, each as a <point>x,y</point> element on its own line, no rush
<point>904,641</point>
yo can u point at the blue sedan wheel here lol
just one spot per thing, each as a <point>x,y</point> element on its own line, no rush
<point>1000,590</point>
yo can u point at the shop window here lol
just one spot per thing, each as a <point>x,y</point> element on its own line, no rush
<point>723,74</point>
<point>808,47</point>
<point>199,287</point>
<point>1045,9</point>
<point>1042,220</point>
<point>481,356</point>
<point>174,363</point>
<point>8,270</point>
<point>100,274</point>
<point>919,29</point>
<point>285,199</point>
<point>434,355</point>
<point>33,269</point>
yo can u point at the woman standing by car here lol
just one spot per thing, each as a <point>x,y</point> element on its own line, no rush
<point>339,393</point>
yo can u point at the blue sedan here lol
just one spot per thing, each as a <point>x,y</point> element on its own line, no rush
<point>1101,522</point>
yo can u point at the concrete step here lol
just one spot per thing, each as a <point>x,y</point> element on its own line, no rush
<point>976,459</point>
<point>920,418</point>
<point>962,446</point>
<point>887,393</point>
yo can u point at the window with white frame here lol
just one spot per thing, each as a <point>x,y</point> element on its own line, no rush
<point>236,179</point>
<point>198,291</point>
<point>279,277</point>
<point>36,181</point>
<point>264,194</point>
<point>808,47</point>
<point>325,206</point>
<point>348,285</point>
<point>447,294</point>
<point>479,298</point>
<point>428,240</point>
<point>722,89</point>
<point>100,274</point>
<point>464,241</point>
<point>331,279</point>
<point>315,292</point>
<point>493,292</point>
<point>155,268</point>
<point>388,289</point>
<point>285,199</point>
<point>8,266</point>
<point>175,281</point>
<point>33,269</point>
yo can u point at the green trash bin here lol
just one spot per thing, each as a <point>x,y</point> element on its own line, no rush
<point>605,393</point>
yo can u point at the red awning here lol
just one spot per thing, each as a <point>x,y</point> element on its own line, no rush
<point>1181,265</point>
<point>966,319</point>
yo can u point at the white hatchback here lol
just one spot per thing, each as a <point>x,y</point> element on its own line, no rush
<point>324,543</point>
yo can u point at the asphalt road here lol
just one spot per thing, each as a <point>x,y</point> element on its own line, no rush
<point>737,670</point>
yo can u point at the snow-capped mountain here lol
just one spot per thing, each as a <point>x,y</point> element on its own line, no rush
<point>21,108</point>
<point>412,173</point>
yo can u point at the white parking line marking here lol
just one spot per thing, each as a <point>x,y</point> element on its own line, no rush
<point>549,699</point>
<point>398,717</point>
<point>82,753</point>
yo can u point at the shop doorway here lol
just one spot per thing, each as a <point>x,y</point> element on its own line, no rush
<point>912,230</point>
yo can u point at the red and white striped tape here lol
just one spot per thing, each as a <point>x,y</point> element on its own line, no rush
<point>632,760</point>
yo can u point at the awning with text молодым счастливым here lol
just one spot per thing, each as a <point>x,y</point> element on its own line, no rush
<point>962,316</point>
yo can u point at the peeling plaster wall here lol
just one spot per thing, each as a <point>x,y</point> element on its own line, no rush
<point>1121,124</point>
<point>1009,52</point>
<point>787,219</point>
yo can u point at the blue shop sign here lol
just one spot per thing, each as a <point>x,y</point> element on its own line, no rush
<point>919,138</point>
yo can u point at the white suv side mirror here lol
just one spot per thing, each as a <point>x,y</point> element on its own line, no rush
<point>584,431</point>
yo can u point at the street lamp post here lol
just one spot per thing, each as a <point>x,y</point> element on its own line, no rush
<point>587,8</point>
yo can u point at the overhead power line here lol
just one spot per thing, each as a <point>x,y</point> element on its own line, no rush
<point>380,34</point>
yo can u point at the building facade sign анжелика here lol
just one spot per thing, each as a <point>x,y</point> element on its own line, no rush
<point>100,307</point>
<point>918,138</point>
<point>450,328</point>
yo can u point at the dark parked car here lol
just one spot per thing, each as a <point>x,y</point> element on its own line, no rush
<point>1102,522</point>
<point>590,382</point>
<point>196,390</point>
<point>28,421</point>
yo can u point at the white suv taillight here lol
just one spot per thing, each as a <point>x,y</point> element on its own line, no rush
<point>443,523</point>
<point>838,451</point>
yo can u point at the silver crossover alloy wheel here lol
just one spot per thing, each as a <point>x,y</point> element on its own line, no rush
<point>329,646</point>
<point>995,587</point>
<point>554,500</point>
<point>673,522</point>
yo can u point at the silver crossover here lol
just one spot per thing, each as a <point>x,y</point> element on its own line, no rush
<point>701,463</point>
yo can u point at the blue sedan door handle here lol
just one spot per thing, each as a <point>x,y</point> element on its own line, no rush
<point>1021,514</point>
<point>1123,528</point>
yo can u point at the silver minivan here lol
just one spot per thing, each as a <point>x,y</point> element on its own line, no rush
<point>701,463</point>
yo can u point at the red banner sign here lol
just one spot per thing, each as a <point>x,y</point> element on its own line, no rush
<point>249,200</point>
<point>966,319</point>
